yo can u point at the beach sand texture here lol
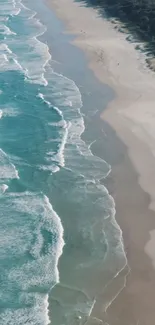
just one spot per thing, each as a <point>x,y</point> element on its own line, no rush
<point>116,62</point>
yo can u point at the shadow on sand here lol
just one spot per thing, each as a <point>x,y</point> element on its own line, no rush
<point>136,20</point>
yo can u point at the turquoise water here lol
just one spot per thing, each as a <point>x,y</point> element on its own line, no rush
<point>49,178</point>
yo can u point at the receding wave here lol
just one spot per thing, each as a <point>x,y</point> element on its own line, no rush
<point>41,126</point>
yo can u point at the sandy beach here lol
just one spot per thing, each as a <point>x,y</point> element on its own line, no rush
<point>115,62</point>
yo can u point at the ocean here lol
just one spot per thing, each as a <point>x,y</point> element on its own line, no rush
<point>58,233</point>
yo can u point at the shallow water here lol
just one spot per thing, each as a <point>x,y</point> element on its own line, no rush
<point>50,191</point>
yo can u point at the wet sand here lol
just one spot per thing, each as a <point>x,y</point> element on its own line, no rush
<point>115,62</point>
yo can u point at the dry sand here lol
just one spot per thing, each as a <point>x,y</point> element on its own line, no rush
<point>115,62</point>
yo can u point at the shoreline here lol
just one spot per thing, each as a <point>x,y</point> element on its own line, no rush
<point>130,115</point>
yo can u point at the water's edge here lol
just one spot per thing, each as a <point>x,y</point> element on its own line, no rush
<point>95,144</point>
<point>70,175</point>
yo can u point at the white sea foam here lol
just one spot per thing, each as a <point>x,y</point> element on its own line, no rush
<point>31,217</point>
<point>61,123</point>
<point>16,12</point>
<point>33,59</point>
<point>18,64</point>
<point>3,60</point>
<point>68,100</point>
<point>3,19</point>
<point>36,69</point>
<point>36,315</point>
<point>40,95</point>
<point>43,269</point>
<point>9,111</point>
<point>52,168</point>
<point>31,13</point>
<point>7,169</point>
<point>6,30</point>
<point>5,47</point>
<point>3,188</point>
<point>64,128</point>
<point>60,156</point>
<point>33,55</point>
<point>58,111</point>
<point>78,157</point>
<point>9,8</point>
<point>8,60</point>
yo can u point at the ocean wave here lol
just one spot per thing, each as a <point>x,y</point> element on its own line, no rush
<point>51,168</point>
<point>8,60</point>
<point>3,60</point>
<point>5,49</point>
<point>8,111</point>
<point>36,62</point>
<point>63,126</point>
<point>31,234</point>
<point>77,157</point>
<point>9,8</point>
<point>7,168</point>
<point>36,315</point>
<point>3,188</point>
<point>29,54</point>
<point>35,242</point>
<point>59,157</point>
<point>41,96</point>
<point>73,152</point>
<point>44,221</point>
<point>31,13</point>
<point>5,30</point>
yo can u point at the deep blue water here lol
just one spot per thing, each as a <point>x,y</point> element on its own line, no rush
<point>49,179</point>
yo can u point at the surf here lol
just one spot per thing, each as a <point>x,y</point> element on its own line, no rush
<point>45,163</point>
